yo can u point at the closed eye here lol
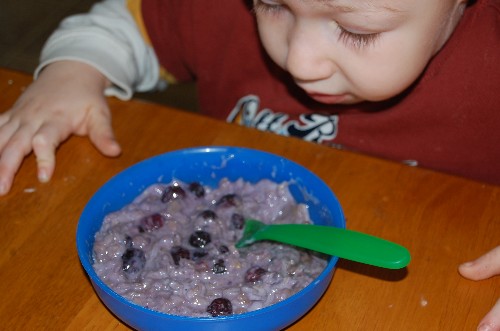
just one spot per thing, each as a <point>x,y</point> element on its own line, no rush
<point>357,40</point>
<point>351,39</point>
<point>267,8</point>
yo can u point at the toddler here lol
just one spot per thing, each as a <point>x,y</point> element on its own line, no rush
<point>412,81</point>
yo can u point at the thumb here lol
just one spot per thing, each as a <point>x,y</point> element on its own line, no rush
<point>101,133</point>
<point>484,267</point>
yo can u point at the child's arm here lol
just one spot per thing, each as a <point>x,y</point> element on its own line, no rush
<point>484,267</point>
<point>89,56</point>
<point>108,39</point>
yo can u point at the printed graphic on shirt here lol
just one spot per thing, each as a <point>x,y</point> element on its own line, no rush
<point>312,127</point>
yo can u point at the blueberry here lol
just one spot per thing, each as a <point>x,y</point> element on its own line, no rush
<point>223,249</point>
<point>220,307</point>
<point>151,223</point>
<point>219,267</point>
<point>178,253</point>
<point>237,221</point>
<point>254,274</point>
<point>128,241</point>
<point>133,262</point>
<point>199,253</point>
<point>200,239</point>
<point>208,215</point>
<point>173,192</point>
<point>229,200</point>
<point>197,189</point>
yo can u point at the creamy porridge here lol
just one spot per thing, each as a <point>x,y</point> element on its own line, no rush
<point>172,249</point>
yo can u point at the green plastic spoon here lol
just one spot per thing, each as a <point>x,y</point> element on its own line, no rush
<point>343,243</point>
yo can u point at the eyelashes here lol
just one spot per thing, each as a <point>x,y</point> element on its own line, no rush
<point>348,38</point>
<point>357,40</point>
<point>266,8</point>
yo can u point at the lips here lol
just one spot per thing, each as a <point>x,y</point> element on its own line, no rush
<point>328,98</point>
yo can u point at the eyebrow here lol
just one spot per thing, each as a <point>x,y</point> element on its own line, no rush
<point>347,8</point>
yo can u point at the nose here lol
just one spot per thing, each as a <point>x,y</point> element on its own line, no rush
<point>308,58</point>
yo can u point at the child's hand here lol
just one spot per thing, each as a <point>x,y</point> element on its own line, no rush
<point>66,99</point>
<point>484,267</point>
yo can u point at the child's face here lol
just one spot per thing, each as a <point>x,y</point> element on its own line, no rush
<point>347,51</point>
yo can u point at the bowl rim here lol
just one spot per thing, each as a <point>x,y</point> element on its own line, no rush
<point>97,281</point>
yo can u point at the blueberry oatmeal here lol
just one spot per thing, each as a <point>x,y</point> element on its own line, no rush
<point>172,249</point>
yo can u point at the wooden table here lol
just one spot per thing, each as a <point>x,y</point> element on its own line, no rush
<point>443,221</point>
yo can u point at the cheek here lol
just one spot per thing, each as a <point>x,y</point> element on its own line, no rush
<point>273,40</point>
<point>399,59</point>
<point>387,71</point>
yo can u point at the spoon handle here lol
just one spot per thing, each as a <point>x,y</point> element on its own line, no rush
<point>343,243</point>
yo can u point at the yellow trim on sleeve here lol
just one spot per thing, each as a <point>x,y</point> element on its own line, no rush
<point>134,7</point>
<point>165,75</point>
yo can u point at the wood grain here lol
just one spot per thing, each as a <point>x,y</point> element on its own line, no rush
<point>443,221</point>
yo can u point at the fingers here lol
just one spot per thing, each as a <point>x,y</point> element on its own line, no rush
<point>45,142</point>
<point>15,146</point>
<point>484,267</point>
<point>4,118</point>
<point>101,133</point>
<point>491,322</point>
<point>67,98</point>
<point>51,134</point>
<point>20,143</point>
<point>42,132</point>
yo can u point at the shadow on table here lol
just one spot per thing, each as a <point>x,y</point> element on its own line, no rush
<point>391,275</point>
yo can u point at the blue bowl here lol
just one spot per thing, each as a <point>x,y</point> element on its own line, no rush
<point>208,165</point>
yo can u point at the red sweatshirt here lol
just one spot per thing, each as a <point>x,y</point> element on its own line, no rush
<point>449,120</point>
